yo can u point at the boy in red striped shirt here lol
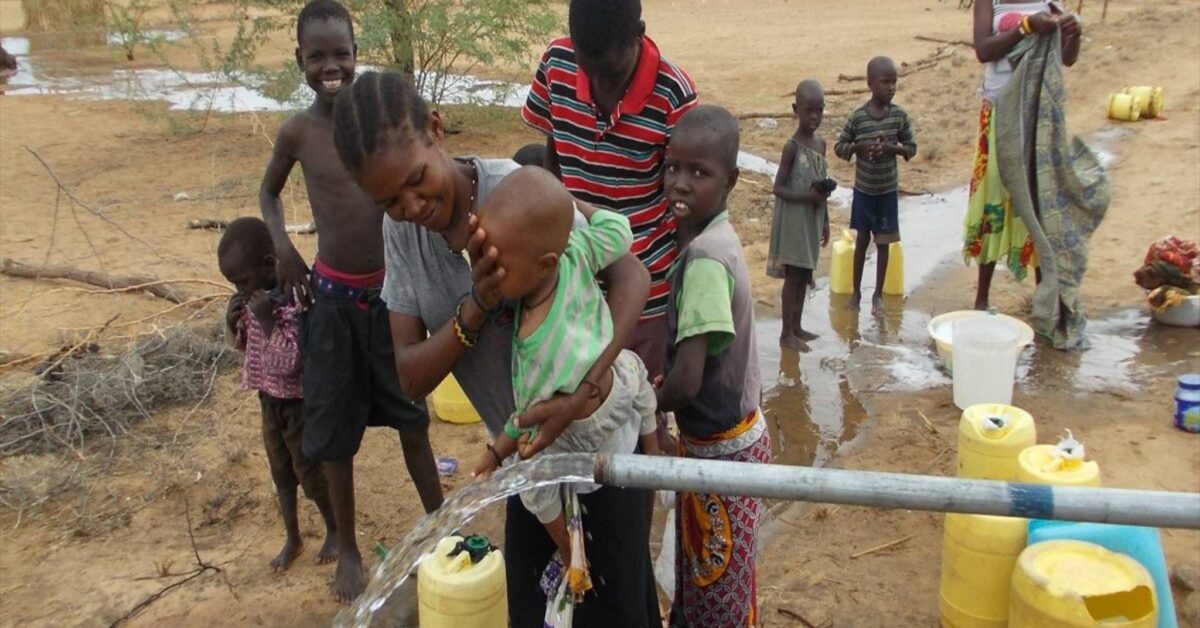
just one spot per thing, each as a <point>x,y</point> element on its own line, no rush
<point>608,101</point>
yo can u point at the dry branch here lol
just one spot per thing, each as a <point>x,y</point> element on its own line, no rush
<point>217,224</point>
<point>208,224</point>
<point>62,187</point>
<point>952,42</point>
<point>150,285</point>
<point>757,116</point>
<point>880,548</point>
<point>941,53</point>
<point>202,568</point>
<point>798,617</point>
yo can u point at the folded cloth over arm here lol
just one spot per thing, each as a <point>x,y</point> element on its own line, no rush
<point>1058,185</point>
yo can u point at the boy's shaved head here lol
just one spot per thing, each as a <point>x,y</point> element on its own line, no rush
<point>880,65</point>
<point>245,244</point>
<point>719,125</point>
<point>597,26</point>
<point>530,211</point>
<point>809,91</point>
<point>322,10</point>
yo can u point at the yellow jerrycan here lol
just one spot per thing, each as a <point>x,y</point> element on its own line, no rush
<point>1060,465</point>
<point>1149,97</point>
<point>979,553</point>
<point>1069,584</point>
<point>893,279</point>
<point>1125,107</point>
<point>841,269</point>
<point>450,403</point>
<point>990,438</point>
<point>462,585</point>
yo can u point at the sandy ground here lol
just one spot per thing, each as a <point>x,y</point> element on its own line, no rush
<point>116,518</point>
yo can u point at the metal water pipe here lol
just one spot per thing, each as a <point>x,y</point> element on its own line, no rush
<point>1161,509</point>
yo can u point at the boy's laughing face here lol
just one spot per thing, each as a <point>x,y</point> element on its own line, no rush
<point>326,55</point>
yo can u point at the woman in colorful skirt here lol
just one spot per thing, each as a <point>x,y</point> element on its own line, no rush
<point>992,231</point>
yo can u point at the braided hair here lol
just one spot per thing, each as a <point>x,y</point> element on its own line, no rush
<point>377,108</point>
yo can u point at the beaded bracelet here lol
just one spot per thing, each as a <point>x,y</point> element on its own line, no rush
<point>495,455</point>
<point>468,337</point>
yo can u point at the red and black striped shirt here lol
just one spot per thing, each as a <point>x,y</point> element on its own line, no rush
<point>617,163</point>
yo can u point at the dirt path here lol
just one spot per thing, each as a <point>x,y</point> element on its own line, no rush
<point>113,521</point>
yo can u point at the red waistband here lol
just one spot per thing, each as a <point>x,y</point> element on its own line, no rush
<point>368,280</point>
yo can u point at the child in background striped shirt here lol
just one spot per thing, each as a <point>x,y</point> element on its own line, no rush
<point>563,325</point>
<point>876,133</point>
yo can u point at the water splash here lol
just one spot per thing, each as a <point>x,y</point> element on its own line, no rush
<point>456,512</point>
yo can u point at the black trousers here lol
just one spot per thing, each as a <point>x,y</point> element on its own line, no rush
<point>617,542</point>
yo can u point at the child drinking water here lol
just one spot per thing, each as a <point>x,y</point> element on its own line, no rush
<point>395,147</point>
<point>800,225</point>
<point>876,133</point>
<point>712,382</point>
<point>350,379</point>
<point>562,325</point>
<point>264,326</point>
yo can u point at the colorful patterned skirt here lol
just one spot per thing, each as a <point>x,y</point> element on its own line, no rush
<point>717,535</point>
<point>992,231</point>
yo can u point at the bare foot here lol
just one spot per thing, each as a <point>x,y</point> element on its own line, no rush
<point>790,341</point>
<point>853,303</point>
<point>350,580</point>
<point>877,304</point>
<point>329,551</point>
<point>806,336</point>
<point>291,549</point>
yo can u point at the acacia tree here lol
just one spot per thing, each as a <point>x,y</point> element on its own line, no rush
<point>430,40</point>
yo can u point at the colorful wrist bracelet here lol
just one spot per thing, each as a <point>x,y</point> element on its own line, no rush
<point>468,337</point>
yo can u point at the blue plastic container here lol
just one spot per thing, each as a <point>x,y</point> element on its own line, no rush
<point>1142,544</point>
<point>1187,403</point>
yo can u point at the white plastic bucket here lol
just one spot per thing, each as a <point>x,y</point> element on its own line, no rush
<point>985,360</point>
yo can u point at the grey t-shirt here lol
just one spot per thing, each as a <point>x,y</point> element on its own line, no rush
<point>427,280</point>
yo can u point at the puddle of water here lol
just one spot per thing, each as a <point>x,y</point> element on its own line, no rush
<point>1127,352</point>
<point>146,36</point>
<point>200,91</point>
<point>808,404</point>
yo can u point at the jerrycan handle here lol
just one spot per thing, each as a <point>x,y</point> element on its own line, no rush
<point>1069,449</point>
<point>994,426</point>
<point>475,546</point>
<point>847,237</point>
<point>1067,454</point>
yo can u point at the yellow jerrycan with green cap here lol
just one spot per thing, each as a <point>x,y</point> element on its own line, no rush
<point>462,585</point>
<point>1075,584</point>
<point>991,436</point>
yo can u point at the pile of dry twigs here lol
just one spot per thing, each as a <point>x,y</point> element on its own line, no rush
<point>93,394</point>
